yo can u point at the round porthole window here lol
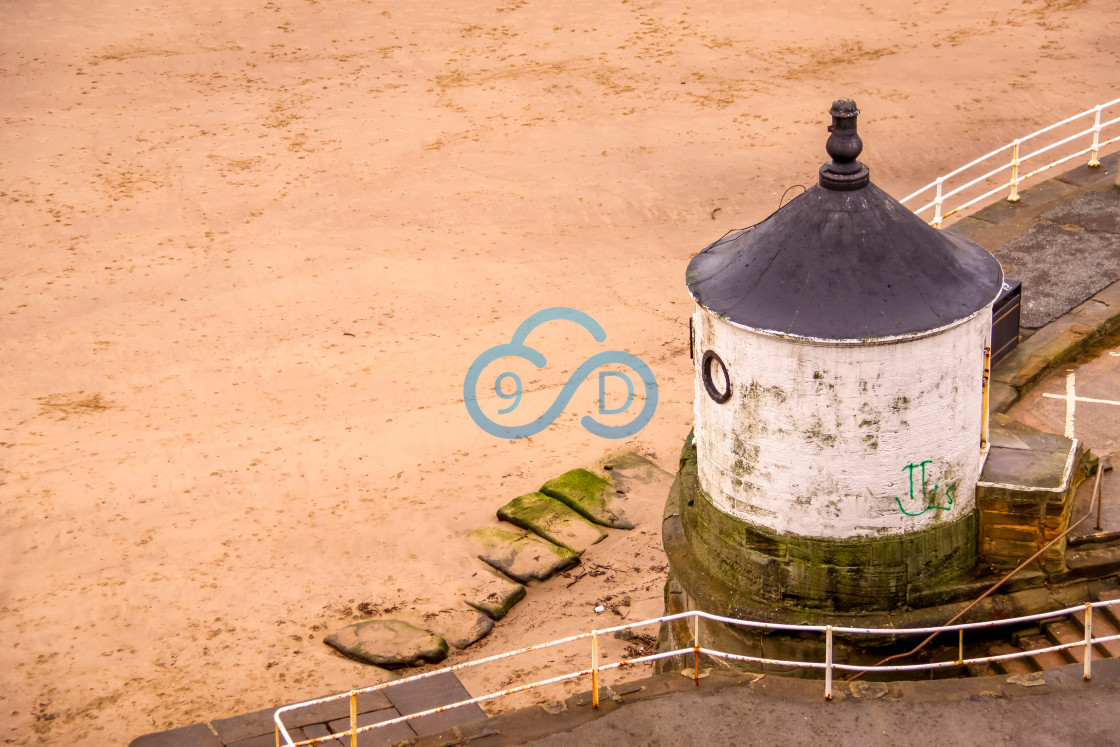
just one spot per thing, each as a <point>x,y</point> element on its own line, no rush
<point>716,380</point>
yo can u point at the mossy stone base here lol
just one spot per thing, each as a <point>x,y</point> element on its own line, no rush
<point>806,573</point>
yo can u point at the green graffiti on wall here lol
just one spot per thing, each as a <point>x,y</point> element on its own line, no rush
<point>928,498</point>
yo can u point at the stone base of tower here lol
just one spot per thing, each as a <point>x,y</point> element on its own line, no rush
<point>721,566</point>
<point>795,578</point>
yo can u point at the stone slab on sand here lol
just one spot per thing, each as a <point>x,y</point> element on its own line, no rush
<point>388,643</point>
<point>627,470</point>
<point>552,520</point>
<point>462,626</point>
<point>589,495</point>
<point>520,555</point>
<point>493,594</point>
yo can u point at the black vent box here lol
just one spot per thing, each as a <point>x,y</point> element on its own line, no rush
<point>1005,319</point>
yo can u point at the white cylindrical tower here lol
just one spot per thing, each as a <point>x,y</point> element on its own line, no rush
<point>840,439</point>
<point>840,348</point>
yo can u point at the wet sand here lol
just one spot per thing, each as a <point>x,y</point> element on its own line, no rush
<point>250,254</point>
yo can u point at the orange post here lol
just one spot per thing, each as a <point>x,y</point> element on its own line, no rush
<point>594,669</point>
<point>353,718</point>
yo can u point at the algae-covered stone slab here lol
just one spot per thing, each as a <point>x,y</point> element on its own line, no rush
<point>521,556</point>
<point>552,520</point>
<point>461,626</point>
<point>388,643</point>
<point>589,495</point>
<point>493,593</point>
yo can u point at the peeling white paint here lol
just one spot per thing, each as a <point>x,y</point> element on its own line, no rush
<point>820,438</point>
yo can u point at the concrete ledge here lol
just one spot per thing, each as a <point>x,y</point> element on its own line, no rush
<point>1031,201</point>
<point>1055,344</point>
<point>1001,221</point>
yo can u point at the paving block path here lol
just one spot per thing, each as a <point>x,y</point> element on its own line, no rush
<point>257,729</point>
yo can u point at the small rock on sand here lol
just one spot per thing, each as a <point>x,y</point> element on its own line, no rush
<point>462,626</point>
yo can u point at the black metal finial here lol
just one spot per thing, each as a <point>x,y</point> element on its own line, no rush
<point>844,172</point>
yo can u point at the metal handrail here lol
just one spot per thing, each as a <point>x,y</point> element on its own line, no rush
<point>937,204</point>
<point>828,665</point>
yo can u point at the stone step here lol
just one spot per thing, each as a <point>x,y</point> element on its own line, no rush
<point>1102,626</point>
<point>981,670</point>
<point>1064,631</point>
<point>1011,666</point>
<point>1047,660</point>
<point>1111,614</point>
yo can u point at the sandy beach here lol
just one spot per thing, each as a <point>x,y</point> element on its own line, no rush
<point>250,251</point>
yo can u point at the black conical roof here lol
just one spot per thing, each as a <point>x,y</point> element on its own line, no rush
<point>844,261</point>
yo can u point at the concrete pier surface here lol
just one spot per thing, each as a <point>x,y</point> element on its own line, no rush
<point>1056,707</point>
<point>1062,240</point>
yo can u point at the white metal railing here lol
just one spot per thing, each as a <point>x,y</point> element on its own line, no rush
<point>696,649</point>
<point>1091,134</point>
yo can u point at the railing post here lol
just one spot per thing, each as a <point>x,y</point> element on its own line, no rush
<point>696,649</point>
<point>353,718</point>
<point>960,646</point>
<point>937,200</point>
<point>594,669</point>
<point>1088,640</point>
<point>1094,162</point>
<point>277,736</point>
<point>828,662</point>
<point>1014,196</point>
